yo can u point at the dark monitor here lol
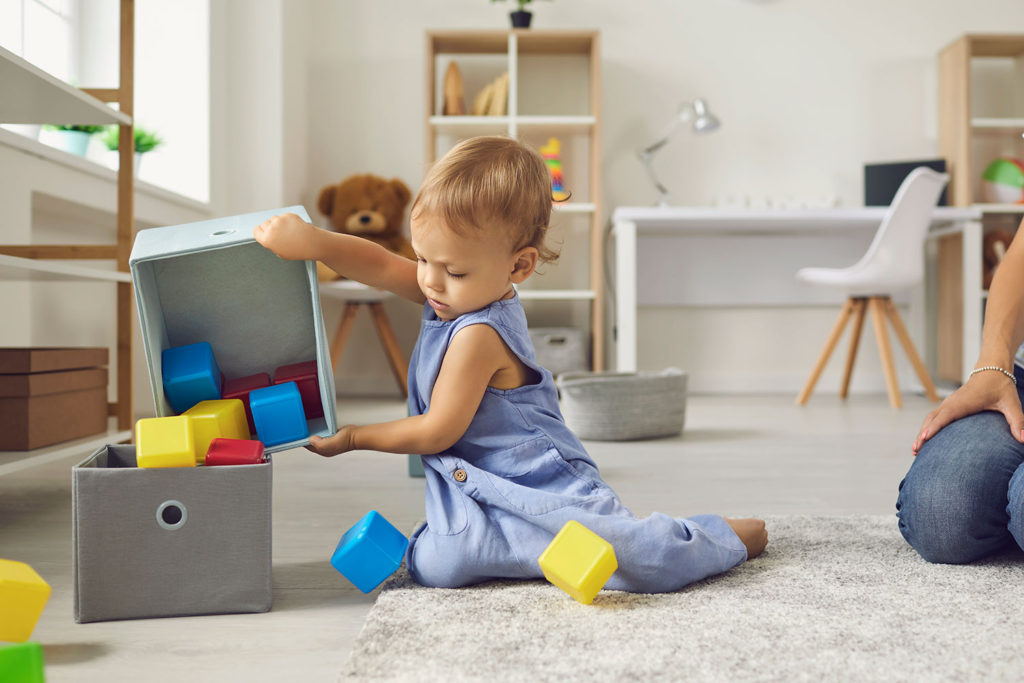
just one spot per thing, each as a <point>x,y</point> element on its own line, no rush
<point>882,180</point>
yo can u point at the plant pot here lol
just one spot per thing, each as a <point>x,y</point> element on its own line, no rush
<point>520,19</point>
<point>73,141</point>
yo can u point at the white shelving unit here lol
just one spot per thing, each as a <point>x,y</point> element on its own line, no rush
<point>981,117</point>
<point>554,91</point>
<point>32,96</point>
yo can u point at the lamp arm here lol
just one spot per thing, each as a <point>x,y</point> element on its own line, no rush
<point>684,115</point>
<point>646,159</point>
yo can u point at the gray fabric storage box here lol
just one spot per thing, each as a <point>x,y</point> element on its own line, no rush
<point>624,406</point>
<point>559,349</point>
<point>211,281</point>
<point>167,542</point>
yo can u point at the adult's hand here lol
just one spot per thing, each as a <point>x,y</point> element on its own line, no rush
<point>988,390</point>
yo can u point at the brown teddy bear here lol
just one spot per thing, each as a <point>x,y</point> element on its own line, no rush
<point>367,206</point>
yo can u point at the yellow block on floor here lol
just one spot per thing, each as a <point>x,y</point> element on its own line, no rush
<point>217,419</point>
<point>23,594</point>
<point>165,442</point>
<point>578,561</point>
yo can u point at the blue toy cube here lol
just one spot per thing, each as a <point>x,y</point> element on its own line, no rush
<point>278,414</point>
<point>369,552</point>
<point>190,375</point>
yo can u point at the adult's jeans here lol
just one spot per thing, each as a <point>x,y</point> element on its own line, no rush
<point>963,497</point>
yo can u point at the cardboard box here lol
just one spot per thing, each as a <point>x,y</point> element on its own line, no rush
<point>50,395</point>
<point>171,541</point>
<point>211,281</point>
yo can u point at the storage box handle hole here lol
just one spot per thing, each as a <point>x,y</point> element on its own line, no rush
<point>171,515</point>
<point>221,233</point>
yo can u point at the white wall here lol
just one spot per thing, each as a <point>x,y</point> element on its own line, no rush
<point>807,90</point>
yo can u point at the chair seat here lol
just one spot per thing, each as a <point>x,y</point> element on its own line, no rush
<point>350,290</point>
<point>857,281</point>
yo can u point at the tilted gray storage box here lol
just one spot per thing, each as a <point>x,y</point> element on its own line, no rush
<point>211,281</point>
<point>623,406</point>
<point>167,542</point>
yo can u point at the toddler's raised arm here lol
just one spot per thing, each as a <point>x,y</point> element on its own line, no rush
<point>356,258</point>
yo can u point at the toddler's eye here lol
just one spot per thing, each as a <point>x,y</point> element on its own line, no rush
<point>457,276</point>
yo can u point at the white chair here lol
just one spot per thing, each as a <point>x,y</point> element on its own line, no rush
<point>356,294</point>
<point>893,262</point>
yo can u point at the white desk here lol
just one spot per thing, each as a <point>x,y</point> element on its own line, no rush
<point>632,223</point>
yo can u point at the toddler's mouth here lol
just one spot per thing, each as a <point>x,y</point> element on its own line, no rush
<point>437,305</point>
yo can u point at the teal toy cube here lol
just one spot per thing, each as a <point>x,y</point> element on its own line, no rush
<point>21,663</point>
<point>190,375</point>
<point>370,552</point>
<point>278,414</point>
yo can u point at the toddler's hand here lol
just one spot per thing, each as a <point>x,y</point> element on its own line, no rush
<point>752,532</point>
<point>288,236</point>
<point>341,442</point>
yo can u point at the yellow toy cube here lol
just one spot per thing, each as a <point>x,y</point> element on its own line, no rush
<point>165,442</point>
<point>578,561</point>
<point>221,418</point>
<point>23,594</point>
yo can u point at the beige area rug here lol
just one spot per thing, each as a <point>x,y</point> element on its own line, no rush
<point>833,598</point>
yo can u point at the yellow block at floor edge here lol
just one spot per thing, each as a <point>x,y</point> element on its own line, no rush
<point>23,594</point>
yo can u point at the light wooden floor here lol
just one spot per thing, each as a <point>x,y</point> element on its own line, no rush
<point>738,456</point>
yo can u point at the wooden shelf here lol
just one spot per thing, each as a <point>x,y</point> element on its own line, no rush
<point>557,294</point>
<point>42,98</point>
<point>13,461</point>
<point>24,269</point>
<point>33,96</point>
<point>1000,208</point>
<point>1013,125</point>
<point>575,207</point>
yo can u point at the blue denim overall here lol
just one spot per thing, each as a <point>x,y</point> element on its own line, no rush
<point>497,497</point>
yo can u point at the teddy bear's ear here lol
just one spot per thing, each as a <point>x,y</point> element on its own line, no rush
<point>326,201</point>
<point>401,191</point>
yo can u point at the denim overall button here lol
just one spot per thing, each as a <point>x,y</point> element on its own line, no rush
<point>460,475</point>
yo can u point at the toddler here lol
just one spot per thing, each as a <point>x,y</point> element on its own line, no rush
<point>503,471</point>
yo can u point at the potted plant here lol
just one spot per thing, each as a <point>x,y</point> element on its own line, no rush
<point>73,139</point>
<point>145,141</point>
<point>521,17</point>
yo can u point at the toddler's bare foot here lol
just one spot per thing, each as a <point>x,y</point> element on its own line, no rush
<point>752,532</point>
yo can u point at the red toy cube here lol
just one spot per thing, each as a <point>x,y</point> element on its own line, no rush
<point>234,452</point>
<point>240,388</point>
<point>305,376</point>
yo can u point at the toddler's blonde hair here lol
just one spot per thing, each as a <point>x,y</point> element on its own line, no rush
<point>491,182</point>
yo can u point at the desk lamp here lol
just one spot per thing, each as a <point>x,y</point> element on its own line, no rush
<point>702,120</point>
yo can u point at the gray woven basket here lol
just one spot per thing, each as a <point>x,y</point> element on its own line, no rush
<point>624,406</point>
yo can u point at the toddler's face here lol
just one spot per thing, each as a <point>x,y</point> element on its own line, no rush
<point>460,273</point>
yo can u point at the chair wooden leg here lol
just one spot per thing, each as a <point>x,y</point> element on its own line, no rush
<point>908,347</point>
<point>830,345</point>
<point>877,305</point>
<point>860,308</point>
<point>387,336</point>
<point>342,332</point>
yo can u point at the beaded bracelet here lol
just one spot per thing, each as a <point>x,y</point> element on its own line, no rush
<point>993,367</point>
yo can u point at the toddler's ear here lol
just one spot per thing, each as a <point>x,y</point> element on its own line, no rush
<point>326,201</point>
<point>524,265</point>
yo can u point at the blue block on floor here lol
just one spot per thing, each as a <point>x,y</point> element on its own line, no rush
<point>370,551</point>
<point>278,415</point>
<point>190,375</point>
